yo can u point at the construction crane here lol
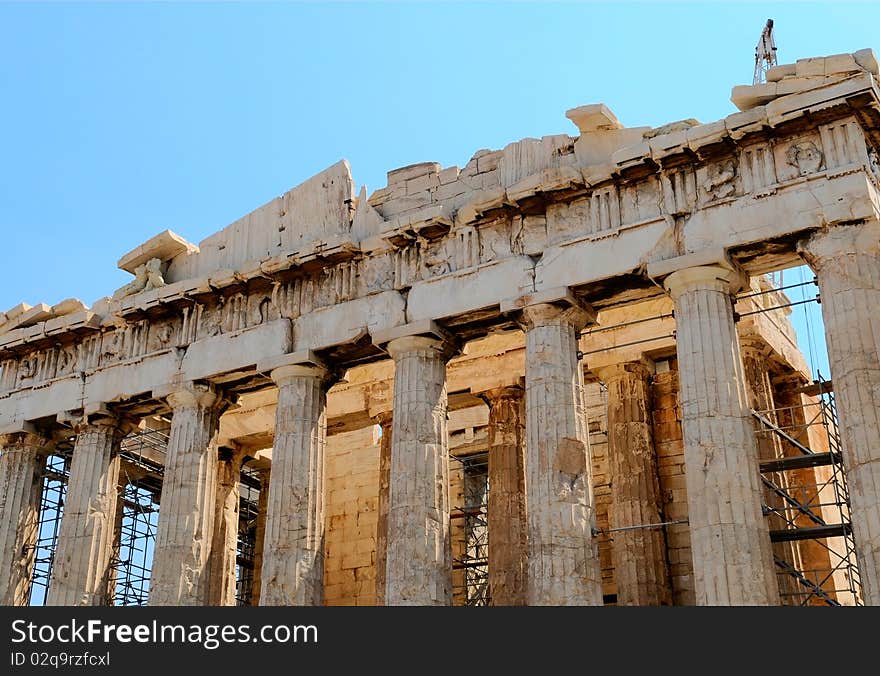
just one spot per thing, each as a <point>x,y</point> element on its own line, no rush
<point>765,53</point>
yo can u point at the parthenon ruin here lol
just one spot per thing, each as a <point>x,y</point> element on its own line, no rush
<point>560,375</point>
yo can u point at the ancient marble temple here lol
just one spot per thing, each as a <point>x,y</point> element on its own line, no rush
<point>590,314</point>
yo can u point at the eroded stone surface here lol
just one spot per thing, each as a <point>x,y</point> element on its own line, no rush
<point>19,509</point>
<point>563,560</point>
<point>518,233</point>
<point>730,541</point>
<point>847,263</point>
<point>639,554</point>
<point>418,562</point>
<point>187,512</point>
<point>293,553</point>
<point>508,525</point>
<point>81,570</point>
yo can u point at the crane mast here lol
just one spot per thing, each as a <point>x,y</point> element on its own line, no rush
<point>765,53</point>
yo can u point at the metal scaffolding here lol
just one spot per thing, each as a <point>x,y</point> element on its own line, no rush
<point>810,502</point>
<point>249,500</point>
<point>474,561</point>
<point>53,490</point>
<point>143,465</point>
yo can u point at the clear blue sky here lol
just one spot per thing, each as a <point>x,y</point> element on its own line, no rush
<point>120,120</point>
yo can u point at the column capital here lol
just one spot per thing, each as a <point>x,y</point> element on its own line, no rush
<point>99,415</point>
<point>705,278</point>
<point>835,241</point>
<point>641,368</point>
<point>191,394</point>
<point>551,306</point>
<point>789,379</point>
<point>299,364</point>
<point>22,435</point>
<point>425,335</point>
<point>754,345</point>
<point>513,392</point>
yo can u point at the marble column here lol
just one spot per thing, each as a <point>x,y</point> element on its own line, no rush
<point>563,562</point>
<point>730,539</point>
<point>81,570</point>
<point>639,555</point>
<point>185,532</point>
<point>21,458</point>
<point>384,420</point>
<point>846,260</point>
<point>293,548</point>
<point>224,548</point>
<point>418,565</point>
<point>260,536</point>
<point>508,528</point>
<point>755,356</point>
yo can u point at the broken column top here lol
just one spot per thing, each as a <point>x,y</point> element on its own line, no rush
<point>803,75</point>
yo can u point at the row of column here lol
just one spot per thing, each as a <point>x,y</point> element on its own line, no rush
<point>549,554</point>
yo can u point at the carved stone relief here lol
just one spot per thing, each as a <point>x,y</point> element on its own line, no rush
<point>495,241</point>
<point>147,276</point>
<point>874,162</point>
<point>805,156</point>
<point>720,181</point>
<point>377,273</point>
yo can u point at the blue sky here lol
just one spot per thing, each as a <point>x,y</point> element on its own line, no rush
<point>121,120</point>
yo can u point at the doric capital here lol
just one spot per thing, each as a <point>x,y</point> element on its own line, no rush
<point>755,346</point>
<point>505,393</point>
<point>400,347</point>
<point>547,314</point>
<point>703,278</point>
<point>836,241</point>
<point>22,436</point>
<point>421,336</point>
<point>639,368</point>
<point>100,416</point>
<point>284,374</point>
<point>302,364</point>
<point>195,395</point>
<point>550,307</point>
<point>789,380</point>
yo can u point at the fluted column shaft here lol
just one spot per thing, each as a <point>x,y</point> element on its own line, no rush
<point>730,540</point>
<point>384,419</point>
<point>224,549</point>
<point>83,557</point>
<point>639,554</point>
<point>759,389</point>
<point>293,550</point>
<point>846,260</point>
<point>260,536</point>
<point>185,532</point>
<point>508,528</point>
<point>563,564</point>
<point>418,565</point>
<point>20,460</point>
